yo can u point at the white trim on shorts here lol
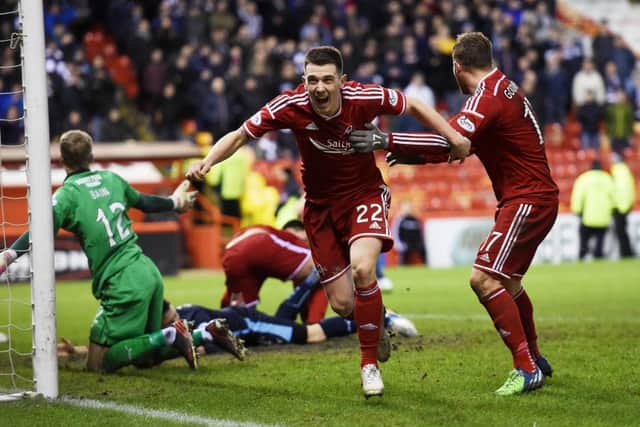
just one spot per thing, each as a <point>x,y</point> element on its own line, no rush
<point>482,267</point>
<point>335,276</point>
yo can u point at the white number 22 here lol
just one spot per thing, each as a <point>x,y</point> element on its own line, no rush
<point>376,215</point>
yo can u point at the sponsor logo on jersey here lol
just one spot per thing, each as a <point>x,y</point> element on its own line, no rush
<point>485,257</point>
<point>333,146</point>
<point>466,124</point>
<point>311,126</point>
<point>256,119</point>
<point>348,130</point>
<point>393,98</point>
<point>90,181</point>
<point>375,226</point>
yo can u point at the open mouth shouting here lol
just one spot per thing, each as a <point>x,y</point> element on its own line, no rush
<point>322,100</point>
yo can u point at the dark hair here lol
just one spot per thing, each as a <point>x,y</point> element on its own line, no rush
<point>323,55</point>
<point>473,50</point>
<point>165,306</point>
<point>76,149</point>
<point>294,223</point>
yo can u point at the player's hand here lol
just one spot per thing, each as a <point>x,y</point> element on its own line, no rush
<point>364,141</point>
<point>400,159</point>
<point>6,258</point>
<point>460,148</point>
<point>182,198</point>
<point>198,170</point>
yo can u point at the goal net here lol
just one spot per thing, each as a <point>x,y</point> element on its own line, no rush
<point>27,297</point>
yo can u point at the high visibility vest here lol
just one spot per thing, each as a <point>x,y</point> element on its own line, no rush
<point>593,198</point>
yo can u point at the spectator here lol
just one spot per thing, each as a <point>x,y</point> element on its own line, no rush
<point>602,45</point>
<point>612,82</point>
<point>75,120</point>
<point>155,77</point>
<point>248,14</point>
<point>100,89</point>
<point>588,79</point>
<point>115,128</point>
<point>624,186</point>
<point>222,19</point>
<point>12,127</point>
<point>619,121</point>
<point>623,57</point>
<point>417,89</point>
<point>592,198</point>
<point>407,235</point>
<point>166,116</point>
<point>590,117</point>
<point>555,88</point>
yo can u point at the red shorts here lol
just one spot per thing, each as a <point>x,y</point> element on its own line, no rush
<point>249,262</point>
<point>332,227</point>
<point>509,248</point>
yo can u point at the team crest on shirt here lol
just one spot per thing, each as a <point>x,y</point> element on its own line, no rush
<point>466,124</point>
<point>393,98</point>
<point>256,119</point>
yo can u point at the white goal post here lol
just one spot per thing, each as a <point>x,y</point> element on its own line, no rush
<point>43,297</point>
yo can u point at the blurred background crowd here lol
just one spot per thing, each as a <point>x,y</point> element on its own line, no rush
<point>166,69</point>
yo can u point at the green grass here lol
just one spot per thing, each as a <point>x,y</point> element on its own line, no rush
<point>588,322</point>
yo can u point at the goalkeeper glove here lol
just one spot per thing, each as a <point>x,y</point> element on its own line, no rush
<point>6,258</point>
<point>183,199</point>
<point>364,141</point>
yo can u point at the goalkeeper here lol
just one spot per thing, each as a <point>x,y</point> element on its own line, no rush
<point>93,205</point>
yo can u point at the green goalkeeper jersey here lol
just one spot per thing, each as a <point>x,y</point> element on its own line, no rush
<point>93,205</point>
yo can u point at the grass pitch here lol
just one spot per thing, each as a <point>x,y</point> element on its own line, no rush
<point>588,318</point>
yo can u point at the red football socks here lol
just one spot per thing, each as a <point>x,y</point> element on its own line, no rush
<point>506,318</point>
<point>526,318</point>
<point>368,306</point>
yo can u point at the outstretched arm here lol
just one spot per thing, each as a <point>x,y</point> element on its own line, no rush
<point>221,150</point>
<point>460,146</point>
<point>418,148</point>
<point>180,200</point>
<point>15,251</point>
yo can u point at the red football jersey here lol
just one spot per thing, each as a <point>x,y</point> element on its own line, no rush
<point>331,169</point>
<point>507,137</point>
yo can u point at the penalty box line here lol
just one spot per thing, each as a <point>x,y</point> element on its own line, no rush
<point>159,414</point>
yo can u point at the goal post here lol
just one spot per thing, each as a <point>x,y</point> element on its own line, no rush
<point>43,297</point>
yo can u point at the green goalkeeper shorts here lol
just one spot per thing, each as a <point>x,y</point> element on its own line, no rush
<point>131,304</point>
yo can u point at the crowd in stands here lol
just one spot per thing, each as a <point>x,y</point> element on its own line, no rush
<point>164,69</point>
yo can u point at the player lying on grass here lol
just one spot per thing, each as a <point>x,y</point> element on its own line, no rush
<point>253,327</point>
<point>93,206</point>
<point>258,328</point>
<point>507,138</point>
<point>259,252</point>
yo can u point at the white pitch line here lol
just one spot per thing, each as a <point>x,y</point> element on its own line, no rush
<point>161,414</point>
<point>467,317</point>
